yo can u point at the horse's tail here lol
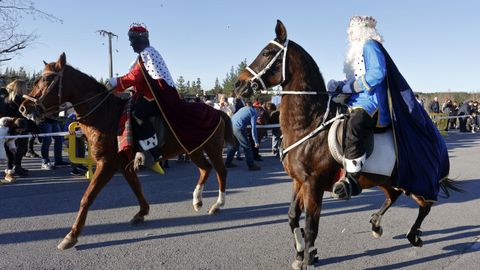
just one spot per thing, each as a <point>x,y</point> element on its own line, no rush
<point>229,138</point>
<point>447,184</point>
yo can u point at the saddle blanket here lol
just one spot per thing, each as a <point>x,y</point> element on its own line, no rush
<point>382,159</point>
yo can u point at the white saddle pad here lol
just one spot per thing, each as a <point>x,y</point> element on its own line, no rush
<point>382,159</point>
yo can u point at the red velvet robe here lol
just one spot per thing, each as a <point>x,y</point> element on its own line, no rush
<point>192,124</point>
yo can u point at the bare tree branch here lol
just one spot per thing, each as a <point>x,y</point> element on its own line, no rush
<point>12,39</point>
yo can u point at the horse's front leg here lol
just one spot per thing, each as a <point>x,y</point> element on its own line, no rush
<point>312,197</point>
<point>136,186</point>
<point>294,213</point>
<point>102,175</point>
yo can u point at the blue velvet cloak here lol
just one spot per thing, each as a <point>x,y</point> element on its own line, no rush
<point>422,155</point>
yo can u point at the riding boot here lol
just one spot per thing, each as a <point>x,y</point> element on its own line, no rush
<point>151,145</point>
<point>349,185</point>
<point>156,153</point>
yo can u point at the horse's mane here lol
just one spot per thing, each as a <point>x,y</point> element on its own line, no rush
<point>88,79</point>
<point>310,67</point>
<point>112,104</point>
<point>307,78</point>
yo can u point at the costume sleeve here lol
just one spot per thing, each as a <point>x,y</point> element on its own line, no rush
<point>253,123</point>
<point>129,79</point>
<point>375,66</point>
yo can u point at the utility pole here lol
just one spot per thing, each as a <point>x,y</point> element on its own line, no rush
<point>109,35</point>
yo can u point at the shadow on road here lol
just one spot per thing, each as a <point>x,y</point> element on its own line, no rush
<point>463,232</point>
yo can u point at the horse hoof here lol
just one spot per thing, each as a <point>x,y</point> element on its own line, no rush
<point>213,210</point>
<point>377,232</point>
<point>137,220</point>
<point>67,242</point>
<point>297,264</point>
<point>306,267</point>
<point>414,239</point>
<point>198,206</point>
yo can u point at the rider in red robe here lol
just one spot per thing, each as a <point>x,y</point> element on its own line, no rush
<point>154,93</point>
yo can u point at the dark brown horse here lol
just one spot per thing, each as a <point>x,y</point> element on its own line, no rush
<point>311,166</point>
<point>99,113</point>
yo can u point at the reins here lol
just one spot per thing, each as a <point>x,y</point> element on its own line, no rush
<point>47,112</point>
<point>315,132</point>
<point>80,117</point>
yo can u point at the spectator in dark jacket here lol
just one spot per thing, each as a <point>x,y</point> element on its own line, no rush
<point>464,110</point>
<point>434,106</point>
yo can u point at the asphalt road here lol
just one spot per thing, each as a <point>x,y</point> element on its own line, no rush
<point>251,232</point>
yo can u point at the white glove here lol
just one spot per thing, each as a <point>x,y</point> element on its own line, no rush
<point>112,82</point>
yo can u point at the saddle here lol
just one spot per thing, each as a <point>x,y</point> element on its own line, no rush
<point>380,149</point>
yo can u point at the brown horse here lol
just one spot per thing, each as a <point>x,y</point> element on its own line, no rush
<point>311,166</point>
<point>99,113</point>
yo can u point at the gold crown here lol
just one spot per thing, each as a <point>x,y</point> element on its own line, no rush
<point>366,21</point>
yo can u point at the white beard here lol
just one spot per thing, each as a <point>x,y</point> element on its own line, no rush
<point>357,36</point>
<point>354,52</point>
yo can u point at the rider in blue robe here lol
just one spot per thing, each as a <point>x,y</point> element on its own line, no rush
<point>380,97</point>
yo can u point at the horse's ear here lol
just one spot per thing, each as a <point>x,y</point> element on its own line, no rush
<point>61,62</point>
<point>281,32</point>
<point>45,63</point>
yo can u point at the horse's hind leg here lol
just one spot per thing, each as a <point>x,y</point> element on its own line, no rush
<point>391,195</point>
<point>294,213</point>
<point>214,152</point>
<point>414,234</point>
<point>204,167</point>
<point>136,187</point>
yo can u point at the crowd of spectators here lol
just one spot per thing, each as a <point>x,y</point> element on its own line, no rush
<point>246,116</point>
<point>10,99</point>
<point>462,116</point>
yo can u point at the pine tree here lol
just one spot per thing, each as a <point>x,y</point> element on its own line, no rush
<point>217,88</point>
<point>231,77</point>
<point>188,87</point>
<point>198,87</point>
<point>181,86</point>
<point>193,88</point>
<point>229,81</point>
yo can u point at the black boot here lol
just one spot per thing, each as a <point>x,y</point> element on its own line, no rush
<point>347,187</point>
<point>156,152</point>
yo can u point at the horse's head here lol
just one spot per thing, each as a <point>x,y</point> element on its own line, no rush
<point>269,67</point>
<point>45,97</point>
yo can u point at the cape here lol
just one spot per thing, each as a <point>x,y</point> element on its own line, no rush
<point>192,124</point>
<point>422,154</point>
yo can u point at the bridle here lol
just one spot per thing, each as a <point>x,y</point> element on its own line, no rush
<point>48,111</point>
<point>39,101</point>
<point>258,76</point>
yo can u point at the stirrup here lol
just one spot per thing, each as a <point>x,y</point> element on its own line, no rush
<point>156,167</point>
<point>341,189</point>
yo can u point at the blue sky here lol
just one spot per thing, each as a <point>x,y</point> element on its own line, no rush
<point>434,43</point>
